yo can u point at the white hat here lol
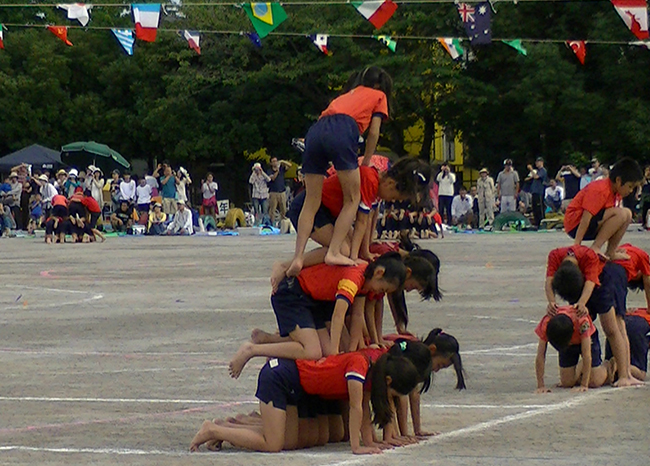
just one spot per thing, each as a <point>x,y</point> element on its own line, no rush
<point>180,202</point>
<point>256,165</point>
<point>73,172</point>
<point>91,168</point>
<point>13,175</point>
<point>43,178</point>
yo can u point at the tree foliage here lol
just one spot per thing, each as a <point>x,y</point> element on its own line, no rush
<point>167,102</point>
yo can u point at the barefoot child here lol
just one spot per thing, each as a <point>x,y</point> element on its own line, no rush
<point>637,326</point>
<point>572,336</point>
<point>637,268</point>
<point>578,276</point>
<point>335,137</point>
<point>320,294</point>
<point>284,382</point>
<point>594,214</point>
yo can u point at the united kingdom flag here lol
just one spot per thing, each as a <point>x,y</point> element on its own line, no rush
<point>477,21</point>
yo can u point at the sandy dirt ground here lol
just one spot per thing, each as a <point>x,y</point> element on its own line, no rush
<point>114,353</point>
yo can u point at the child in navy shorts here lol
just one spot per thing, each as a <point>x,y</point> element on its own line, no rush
<point>637,327</point>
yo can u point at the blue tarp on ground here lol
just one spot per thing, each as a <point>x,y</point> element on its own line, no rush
<point>38,156</point>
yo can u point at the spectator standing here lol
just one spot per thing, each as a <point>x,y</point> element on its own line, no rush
<point>553,196</point>
<point>486,191</point>
<point>182,181</point>
<point>182,223</point>
<point>569,176</point>
<point>260,194</point>
<point>645,196</point>
<point>71,183</point>
<point>12,200</point>
<point>461,209</point>
<point>25,200</point>
<point>473,194</point>
<point>127,189</point>
<point>168,190</point>
<point>48,191</point>
<point>597,170</point>
<point>507,187</point>
<point>143,196</point>
<point>59,182</point>
<point>96,183</point>
<point>539,179</point>
<point>277,188</point>
<point>209,189</point>
<point>446,181</point>
<point>585,177</point>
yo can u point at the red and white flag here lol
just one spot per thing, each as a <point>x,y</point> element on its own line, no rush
<point>61,32</point>
<point>146,18</point>
<point>193,39</point>
<point>2,44</point>
<point>579,48</point>
<point>635,15</point>
<point>320,41</point>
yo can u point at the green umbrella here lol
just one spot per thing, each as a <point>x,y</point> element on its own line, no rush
<point>82,154</point>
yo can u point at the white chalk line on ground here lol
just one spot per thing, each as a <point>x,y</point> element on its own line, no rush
<point>498,349</point>
<point>39,306</point>
<point>464,431</point>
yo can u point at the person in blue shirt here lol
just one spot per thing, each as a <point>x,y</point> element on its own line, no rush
<point>538,181</point>
<point>277,188</point>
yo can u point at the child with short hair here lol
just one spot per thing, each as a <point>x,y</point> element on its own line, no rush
<point>578,276</point>
<point>594,214</point>
<point>35,213</point>
<point>572,336</point>
<point>335,137</point>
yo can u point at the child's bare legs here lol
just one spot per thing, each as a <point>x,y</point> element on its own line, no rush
<point>304,345</point>
<point>99,234</point>
<point>611,230</point>
<point>262,337</point>
<point>351,186</point>
<point>620,352</point>
<point>569,377</point>
<point>313,196</point>
<point>270,440</point>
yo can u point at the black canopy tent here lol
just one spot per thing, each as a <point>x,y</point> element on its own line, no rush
<point>37,156</point>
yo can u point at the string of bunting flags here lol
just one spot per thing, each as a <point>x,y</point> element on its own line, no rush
<point>266,17</point>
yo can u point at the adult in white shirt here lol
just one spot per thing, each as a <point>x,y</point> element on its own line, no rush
<point>553,196</point>
<point>48,191</point>
<point>446,180</point>
<point>143,195</point>
<point>461,209</point>
<point>182,223</point>
<point>127,189</point>
<point>182,180</point>
<point>209,189</point>
<point>97,182</point>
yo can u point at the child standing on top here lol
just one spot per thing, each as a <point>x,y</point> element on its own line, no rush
<point>594,213</point>
<point>335,137</point>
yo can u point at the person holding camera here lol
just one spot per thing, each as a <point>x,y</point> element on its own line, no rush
<point>569,177</point>
<point>539,179</point>
<point>168,190</point>
<point>260,193</point>
<point>446,181</point>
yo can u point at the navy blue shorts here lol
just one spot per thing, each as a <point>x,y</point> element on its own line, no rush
<point>570,356</point>
<point>309,406</point>
<point>322,313</point>
<point>292,307</point>
<point>637,329</point>
<point>279,383</point>
<point>592,229</point>
<point>323,216</point>
<point>333,138</point>
<point>330,408</point>
<point>612,292</point>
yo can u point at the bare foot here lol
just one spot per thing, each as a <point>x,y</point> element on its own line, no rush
<point>339,259</point>
<point>203,435</point>
<point>628,382</point>
<point>260,337</point>
<point>239,360</point>
<point>48,240</point>
<point>295,267</point>
<point>278,272</point>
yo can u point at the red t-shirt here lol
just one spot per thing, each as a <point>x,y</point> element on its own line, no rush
<point>331,282</point>
<point>373,353</point>
<point>583,327</point>
<point>59,200</point>
<point>588,261</point>
<point>91,204</point>
<point>637,265</point>
<point>361,103</point>
<point>641,312</point>
<point>328,377</point>
<point>332,197</point>
<point>593,198</point>
<point>384,247</point>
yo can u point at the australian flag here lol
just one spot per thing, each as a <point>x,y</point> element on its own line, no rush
<point>477,21</point>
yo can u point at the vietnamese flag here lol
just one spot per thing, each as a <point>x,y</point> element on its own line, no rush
<point>61,32</point>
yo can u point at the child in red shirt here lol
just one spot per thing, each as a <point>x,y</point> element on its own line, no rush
<point>321,294</point>
<point>593,214</point>
<point>285,382</point>
<point>572,336</point>
<point>335,137</point>
<point>637,326</point>
<point>637,268</point>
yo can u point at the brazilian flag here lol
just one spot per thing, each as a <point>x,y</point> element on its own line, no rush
<point>265,16</point>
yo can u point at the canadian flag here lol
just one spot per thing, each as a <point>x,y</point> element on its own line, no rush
<point>635,15</point>
<point>579,48</point>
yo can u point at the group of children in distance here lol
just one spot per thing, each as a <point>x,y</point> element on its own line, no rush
<point>76,216</point>
<point>595,284</point>
<point>330,361</point>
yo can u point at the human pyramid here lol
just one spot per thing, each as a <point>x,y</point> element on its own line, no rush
<point>331,373</point>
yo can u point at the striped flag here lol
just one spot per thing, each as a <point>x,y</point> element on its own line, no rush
<point>452,46</point>
<point>2,44</point>
<point>125,38</point>
<point>146,16</point>
<point>193,39</point>
<point>376,11</point>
